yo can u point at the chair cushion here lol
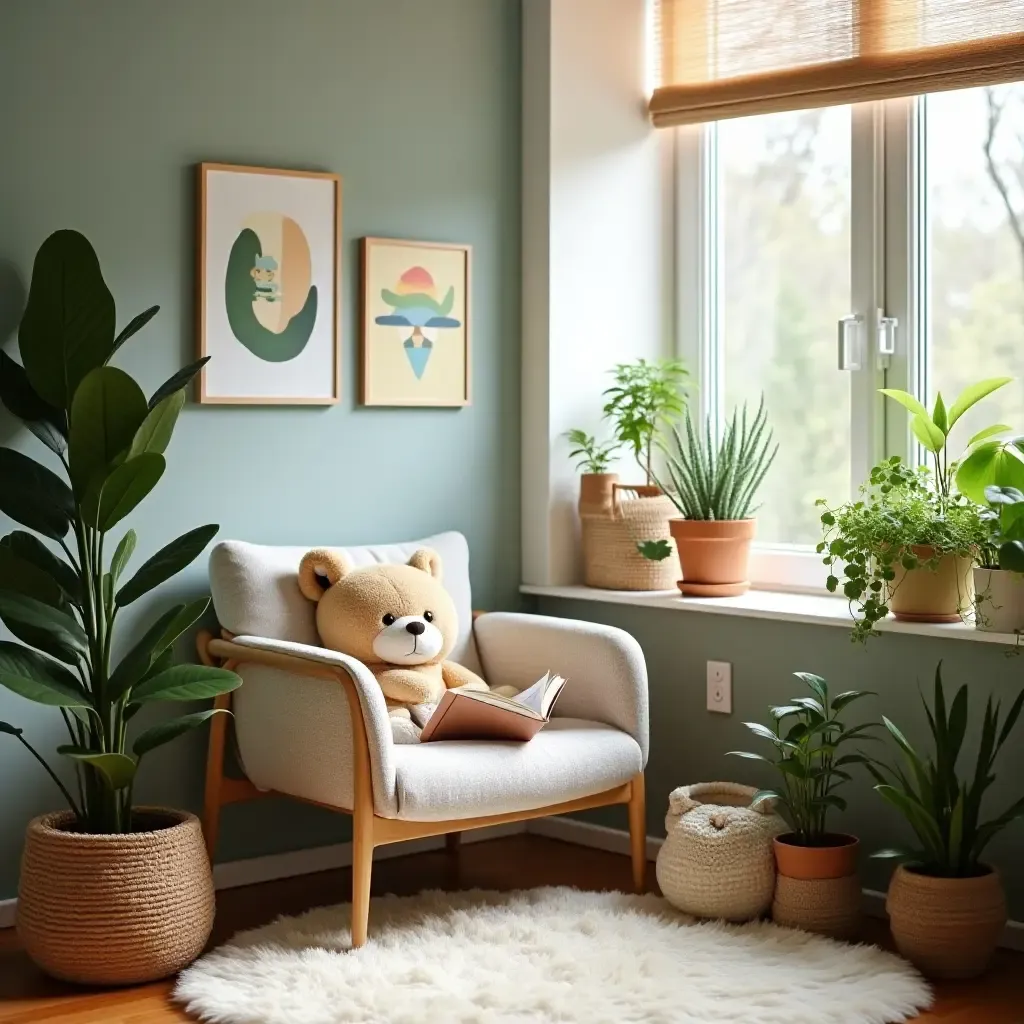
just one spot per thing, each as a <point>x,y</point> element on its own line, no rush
<point>567,759</point>
<point>255,587</point>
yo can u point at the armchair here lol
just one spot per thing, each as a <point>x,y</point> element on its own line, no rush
<point>311,723</point>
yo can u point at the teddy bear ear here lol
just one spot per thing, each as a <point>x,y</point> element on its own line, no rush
<point>320,569</point>
<point>427,560</point>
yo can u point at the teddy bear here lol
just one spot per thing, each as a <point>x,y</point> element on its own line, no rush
<point>397,619</point>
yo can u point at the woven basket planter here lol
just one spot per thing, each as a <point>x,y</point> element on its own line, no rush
<point>717,858</point>
<point>115,909</point>
<point>946,927</point>
<point>818,889</point>
<point>614,519</point>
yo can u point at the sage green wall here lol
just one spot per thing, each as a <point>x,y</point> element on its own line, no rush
<point>105,106</point>
<point>688,743</point>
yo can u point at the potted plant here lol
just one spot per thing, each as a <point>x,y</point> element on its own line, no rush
<point>593,458</point>
<point>647,398</point>
<point>817,887</point>
<point>901,545</point>
<point>714,486</point>
<point>999,575</point>
<point>946,906</point>
<point>110,893</point>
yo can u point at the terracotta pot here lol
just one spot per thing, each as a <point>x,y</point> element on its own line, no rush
<point>817,888</point>
<point>998,601</point>
<point>714,555</point>
<point>597,493</point>
<point>115,909</point>
<point>942,594</point>
<point>946,927</point>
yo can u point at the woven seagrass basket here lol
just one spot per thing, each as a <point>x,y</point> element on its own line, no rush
<point>614,519</point>
<point>717,858</point>
<point>115,909</point>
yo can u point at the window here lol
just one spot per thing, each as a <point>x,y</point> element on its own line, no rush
<point>910,209</point>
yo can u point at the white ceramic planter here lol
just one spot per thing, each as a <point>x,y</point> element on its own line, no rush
<point>999,600</point>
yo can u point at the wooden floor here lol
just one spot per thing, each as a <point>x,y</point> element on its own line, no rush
<point>523,861</point>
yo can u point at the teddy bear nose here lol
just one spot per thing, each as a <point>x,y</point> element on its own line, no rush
<point>415,627</point>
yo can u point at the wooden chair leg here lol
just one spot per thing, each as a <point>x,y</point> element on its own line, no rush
<point>215,775</point>
<point>362,871</point>
<point>638,833</point>
<point>452,841</point>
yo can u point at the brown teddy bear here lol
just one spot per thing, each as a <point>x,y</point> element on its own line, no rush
<point>396,619</point>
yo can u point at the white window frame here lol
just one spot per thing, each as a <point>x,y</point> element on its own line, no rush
<point>888,254</point>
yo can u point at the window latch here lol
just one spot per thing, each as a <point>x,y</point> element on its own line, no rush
<point>887,335</point>
<point>851,342</point>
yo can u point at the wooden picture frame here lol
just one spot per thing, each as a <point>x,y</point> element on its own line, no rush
<point>269,244</point>
<point>431,367</point>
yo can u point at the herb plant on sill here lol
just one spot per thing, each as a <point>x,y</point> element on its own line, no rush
<point>590,456</point>
<point>110,442</point>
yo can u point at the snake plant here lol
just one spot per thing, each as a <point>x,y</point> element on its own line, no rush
<point>720,481</point>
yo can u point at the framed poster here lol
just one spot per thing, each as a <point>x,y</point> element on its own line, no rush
<point>415,323</point>
<point>269,296</point>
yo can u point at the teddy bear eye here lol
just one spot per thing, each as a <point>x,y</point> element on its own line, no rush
<point>429,616</point>
<point>388,619</point>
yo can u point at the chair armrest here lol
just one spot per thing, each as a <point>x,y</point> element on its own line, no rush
<point>366,701</point>
<point>604,666</point>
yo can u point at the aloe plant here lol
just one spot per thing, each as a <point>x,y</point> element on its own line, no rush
<point>943,809</point>
<point>720,481</point>
<point>110,441</point>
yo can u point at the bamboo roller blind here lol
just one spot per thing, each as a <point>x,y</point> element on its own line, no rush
<point>731,58</point>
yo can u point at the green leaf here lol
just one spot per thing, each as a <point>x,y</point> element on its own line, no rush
<point>974,393</point>
<point>1011,556</point>
<point>163,733</point>
<point>1011,719</point>
<point>842,699</point>
<point>30,549</point>
<point>33,496</point>
<point>68,325</point>
<point>927,433</point>
<point>168,561</point>
<point>48,629</point>
<point>134,326</point>
<point>889,853</point>
<point>38,679</point>
<point>817,685</point>
<point>10,730</point>
<point>118,770</point>
<point>907,400</point>
<point>155,433</point>
<point>105,414</point>
<point>992,463</point>
<point>655,550</point>
<point>186,682</point>
<point>19,398</point>
<point>122,554</point>
<point>106,504</point>
<point>765,794</point>
<point>141,656</point>
<point>939,415</point>
<point>749,756</point>
<point>177,382</point>
<point>981,435</point>
<point>21,577</point>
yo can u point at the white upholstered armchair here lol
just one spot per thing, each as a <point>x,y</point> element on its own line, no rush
<point>312,724</point>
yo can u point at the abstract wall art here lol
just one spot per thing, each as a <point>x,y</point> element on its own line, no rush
<point>269,262</point>
<point>415,323</point>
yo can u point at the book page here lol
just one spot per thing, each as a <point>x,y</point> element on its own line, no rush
<point>533,696</point>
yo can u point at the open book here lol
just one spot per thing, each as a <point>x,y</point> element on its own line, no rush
<point>473,715</point>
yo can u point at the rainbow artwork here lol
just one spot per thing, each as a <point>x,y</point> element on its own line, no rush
<point>414,304</point>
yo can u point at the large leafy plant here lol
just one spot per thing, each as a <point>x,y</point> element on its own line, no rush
<point>1003,518</point>
<point>943,809</point>
<point>900,520</point>
<point>645,398</point>
<point>720,480</point>
<point>110,442</point>
<point>807,735</point>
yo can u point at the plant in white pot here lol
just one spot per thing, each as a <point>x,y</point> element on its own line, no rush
<point>714,485</point>
<point>812,749</point>
<point>946,905</point>
<point>110,893</point>
<point>999,575</point>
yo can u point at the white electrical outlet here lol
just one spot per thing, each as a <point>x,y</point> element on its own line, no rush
<point>720,687</point>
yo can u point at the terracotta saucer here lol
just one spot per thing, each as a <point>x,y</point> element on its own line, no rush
<point>713,589</point>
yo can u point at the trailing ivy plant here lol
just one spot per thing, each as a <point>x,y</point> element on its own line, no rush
<point>806,735</point>
<point>110,442</point>
<point>589,455</point>
<point>645,399</point>
<point>899,516</point>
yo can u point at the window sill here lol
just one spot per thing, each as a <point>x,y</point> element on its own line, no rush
<point>815,609</point>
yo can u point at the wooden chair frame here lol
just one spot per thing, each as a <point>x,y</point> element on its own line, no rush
<point>369,829</point>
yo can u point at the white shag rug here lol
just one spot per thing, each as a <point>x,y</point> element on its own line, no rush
<point>543,955</point>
